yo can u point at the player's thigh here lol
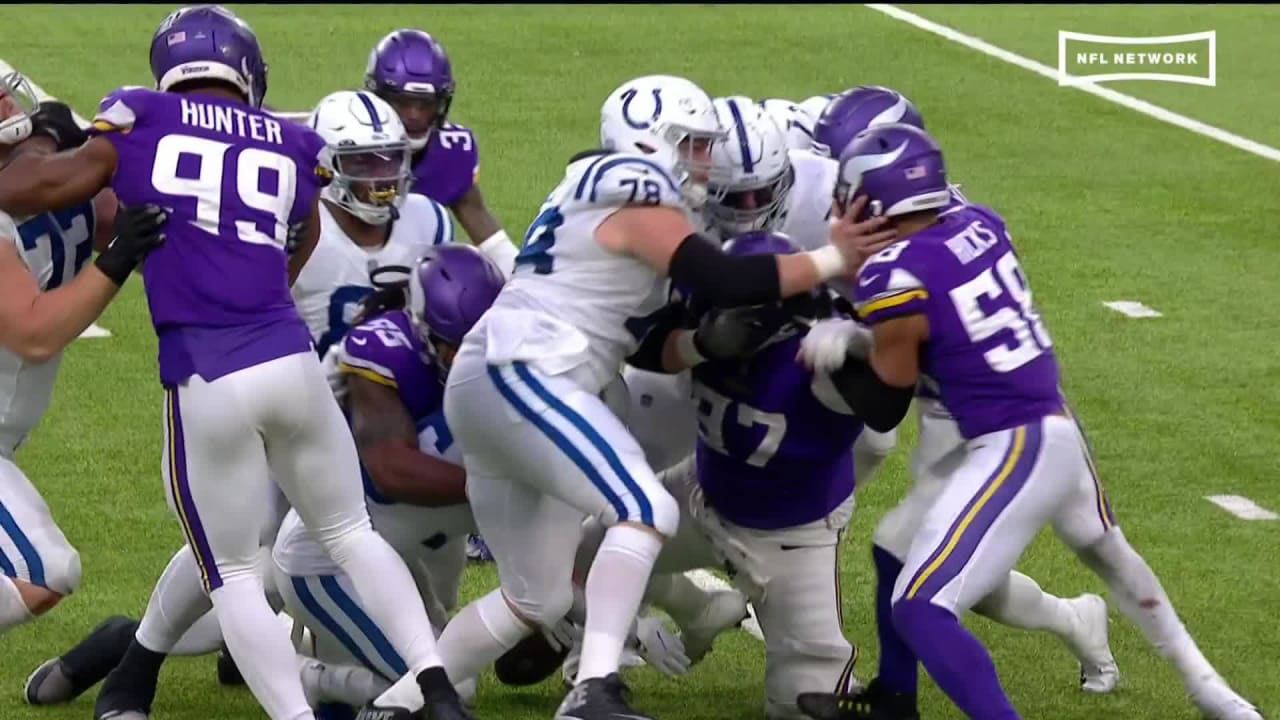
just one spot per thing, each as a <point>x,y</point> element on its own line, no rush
<point>534,538</point>
<point>32,546</point>
<point>309,445</point>
<point>215,473</point>
<point>1008,487</point>
<point>661,415</point>
<point>546,432</point>
<point>327,605</point>
<point>800,615</point>
<point>1085,516</point>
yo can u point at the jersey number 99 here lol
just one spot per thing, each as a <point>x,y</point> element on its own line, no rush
<point>260,184</point>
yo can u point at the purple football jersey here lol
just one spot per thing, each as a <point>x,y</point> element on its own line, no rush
<point>448,165</point>
<point>770,453</point>
<point>385,349</point>
<point>989,355</point>
<point>234,179</point>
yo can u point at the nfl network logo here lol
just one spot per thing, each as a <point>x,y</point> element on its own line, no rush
<point>1190,59</point>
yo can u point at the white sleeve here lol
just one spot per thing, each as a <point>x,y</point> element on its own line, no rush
<point>9,233</point>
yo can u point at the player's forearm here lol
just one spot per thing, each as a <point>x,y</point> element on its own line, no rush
<point>405,474</point>
<point>57,317</point>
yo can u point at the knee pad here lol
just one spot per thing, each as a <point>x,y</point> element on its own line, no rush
<point>542,606</point>
<point>62,570</point>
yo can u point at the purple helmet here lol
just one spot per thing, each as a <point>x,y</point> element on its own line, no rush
<point>857,109</point>
<point>410,64</point>
<point>761,242</point>
<point>898,167</point>
<point>448,292</point>
<point>209,42</point>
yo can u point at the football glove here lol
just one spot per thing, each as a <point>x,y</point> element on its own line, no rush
<point>662,649</point>
<point>294,237</point>
<point>829,342</point>
<point>137,232</point>
<point>737,332</point>
<point>55,120</point>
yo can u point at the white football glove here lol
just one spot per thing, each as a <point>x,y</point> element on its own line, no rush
<point>662,649</point>
<point>329,363</point>
<point>828,342</point>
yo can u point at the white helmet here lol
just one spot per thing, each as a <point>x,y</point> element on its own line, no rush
<point>654,115</point>
<point>751,173</point>
<point>794,120</point>
<point>813,106</point>
<point>370,154</point>
<point>17,103</point>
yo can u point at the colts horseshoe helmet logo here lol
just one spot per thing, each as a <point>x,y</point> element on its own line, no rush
<point>630,95</point>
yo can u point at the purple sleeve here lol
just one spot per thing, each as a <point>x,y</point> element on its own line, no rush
<point>888,286</point>
<point>314,169</point>
<point>449,166</point>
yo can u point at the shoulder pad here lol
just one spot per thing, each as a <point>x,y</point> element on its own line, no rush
<point>378,349</point>
<point>589,153</point>
<point>620,179</point>
<point>120,109</point>
<point>887,287</point>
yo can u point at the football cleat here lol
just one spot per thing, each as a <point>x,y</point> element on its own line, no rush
<point>726,609</point>
<point>477,550</point>
<point>49,684</point>
<point>1218,701</point>
<point>872,703</point>
<point>530,661</point>
<point>56,681</point>
<point>598,699</point>
<point>1098,671</point>
<point>228,671</point>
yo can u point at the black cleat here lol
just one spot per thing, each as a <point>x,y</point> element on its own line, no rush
<point>64,678</point>
<point>369,712</point>
<point>529,662</point>
<point>228,671</point>
<point>598,699</point>
<point>873,703</point>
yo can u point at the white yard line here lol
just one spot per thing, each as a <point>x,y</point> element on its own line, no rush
<point>1159,113</point>
<point>1133,309</point>
<point>1242,507</point>
<point>94,330</point>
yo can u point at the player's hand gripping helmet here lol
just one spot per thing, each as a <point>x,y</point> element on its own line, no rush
<point>898,167</point>
<point>448,292</point>
<point>410,70</point>
<point>209,42</point>
<point>751,174</point>
<point>670,119</point>
<point>857,109</point>
<point>17,103</point>
<point>369,154</point>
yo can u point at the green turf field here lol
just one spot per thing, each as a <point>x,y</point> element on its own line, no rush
<point>1106,204</point>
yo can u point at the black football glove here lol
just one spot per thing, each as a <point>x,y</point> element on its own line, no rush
<point>137,232</point>
<point>735,333</point>
<point>55,120</point>
<point>293,239</point>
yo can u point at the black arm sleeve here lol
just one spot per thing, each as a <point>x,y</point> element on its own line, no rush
<point>721,280</point>
<point>649,355</point>
<point>881,406</point>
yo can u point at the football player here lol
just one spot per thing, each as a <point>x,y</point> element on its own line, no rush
<point>410,70</point>
<point>797,119</point>
<point>593,270</point>
<point>1025,462</point>
<point>48,296</point>
<point>246,395</point>
<point>393,365</point>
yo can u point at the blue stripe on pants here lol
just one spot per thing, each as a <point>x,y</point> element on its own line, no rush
<point>309,602</point>
<point>364,624</point>
<point>35,568</point>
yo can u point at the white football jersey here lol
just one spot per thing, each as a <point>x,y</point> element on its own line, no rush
<point>662,416</point>
<point>808,217</point>
<point>571,304</point>
<point>54,246</point>
<point>335,279</point>
<point>412,530</point>
<point>795,120</point>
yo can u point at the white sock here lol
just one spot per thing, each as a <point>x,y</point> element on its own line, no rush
<point>13,611</point>
<point>1137,591</point>
<point>176,603</point>
<point>615,588</point>
<point>202,638</point>
<point>261,647</point>
<point>388,594</point>
<point>678,596</point>
<point>1020,602</point>
<point>334,683</point>
<point>479,635</point>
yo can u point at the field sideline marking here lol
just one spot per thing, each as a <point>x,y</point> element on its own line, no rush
<point>94,330</point>
<point>1133,309</point>
<point>1242,507</point>
<point>1119,98</point>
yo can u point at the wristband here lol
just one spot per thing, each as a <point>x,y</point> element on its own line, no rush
<point>829,262</point>
<point>687,349</point>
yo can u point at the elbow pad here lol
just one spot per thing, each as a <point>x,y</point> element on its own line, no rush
<point>880,405</point>
<point>721,280</point>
